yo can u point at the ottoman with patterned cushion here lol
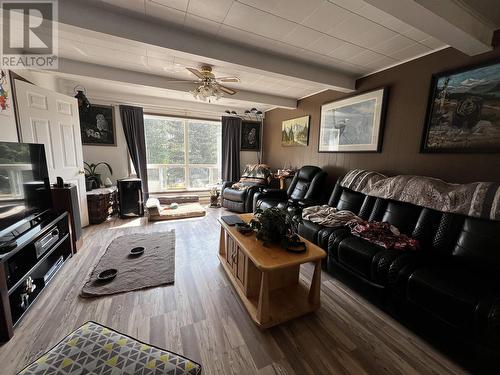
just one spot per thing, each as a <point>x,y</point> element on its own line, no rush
<point>98,350</point>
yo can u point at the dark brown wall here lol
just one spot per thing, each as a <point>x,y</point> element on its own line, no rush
<point>409,85</point>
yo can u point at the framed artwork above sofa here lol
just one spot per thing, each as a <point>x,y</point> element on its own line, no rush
<point>463,113</point>
<point>354,124</point>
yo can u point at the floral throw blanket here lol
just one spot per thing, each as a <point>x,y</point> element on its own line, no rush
<point>477,199</point>
<point>382,234</point>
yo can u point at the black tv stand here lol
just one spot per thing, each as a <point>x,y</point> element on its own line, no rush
<point>36,255</point>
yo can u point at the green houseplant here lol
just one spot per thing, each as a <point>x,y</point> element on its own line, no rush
<point>275,225</point>
<point>93,178</point>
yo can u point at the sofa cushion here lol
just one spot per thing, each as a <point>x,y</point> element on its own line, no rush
<point>403,216</point>
<point>234,195</point>
<point>350,201</point>
<point>357,255</point>
<point>309,230</point>
<point>450,293</point>
<point>478,244</point>
<point>300,190</point>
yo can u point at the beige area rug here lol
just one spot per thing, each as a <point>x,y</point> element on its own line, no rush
<point>153,268</point>
<point>182,212</point>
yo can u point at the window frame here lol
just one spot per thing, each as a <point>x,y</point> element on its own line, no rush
<point>186,165</point>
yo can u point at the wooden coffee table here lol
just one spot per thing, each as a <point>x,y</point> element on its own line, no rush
<point>267,277</point>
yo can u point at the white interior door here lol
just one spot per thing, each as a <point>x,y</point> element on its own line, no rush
<point>52,118</point>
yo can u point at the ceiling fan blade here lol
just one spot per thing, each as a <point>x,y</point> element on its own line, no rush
<point>227,90</point>
<point>182,81</point>
<point>196,72</point>
<point>228,79</point>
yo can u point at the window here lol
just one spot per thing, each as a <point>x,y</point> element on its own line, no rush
<point>182,154</point>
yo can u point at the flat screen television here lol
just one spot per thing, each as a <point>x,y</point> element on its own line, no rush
<point>24,185</point>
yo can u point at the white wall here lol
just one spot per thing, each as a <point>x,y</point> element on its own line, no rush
<point>8,130</point>
<point>116,156</point>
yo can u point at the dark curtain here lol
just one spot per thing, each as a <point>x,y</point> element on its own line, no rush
<point>133,127</point>
<point>231,128</point>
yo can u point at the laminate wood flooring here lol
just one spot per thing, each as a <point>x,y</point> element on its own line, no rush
<point>201,317</point>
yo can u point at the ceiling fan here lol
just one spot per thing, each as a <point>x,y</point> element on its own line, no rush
<point>209,84</point>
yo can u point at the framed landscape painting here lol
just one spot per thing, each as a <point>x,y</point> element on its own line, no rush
<point>354,124</point>
<point>295,132</point>
<point>250,136</point>
<point>463,113</point>
<point>97,126</point>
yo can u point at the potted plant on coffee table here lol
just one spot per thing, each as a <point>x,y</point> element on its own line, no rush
<point>277,225</point>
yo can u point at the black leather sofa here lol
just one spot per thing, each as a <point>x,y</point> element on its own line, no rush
<point>454,279</point>
<point>306,188</point>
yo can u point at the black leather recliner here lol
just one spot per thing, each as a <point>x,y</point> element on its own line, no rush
<point>238,196</point>
<point>306,189</point>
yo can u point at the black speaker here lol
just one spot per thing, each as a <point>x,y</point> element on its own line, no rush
<point>131,198</point>
<point>65,198</point>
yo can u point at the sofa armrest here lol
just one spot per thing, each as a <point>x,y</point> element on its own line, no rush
<point>226,184</point>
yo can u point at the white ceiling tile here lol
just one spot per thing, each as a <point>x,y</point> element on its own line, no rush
<point>410,51</point>
<point>201,24</point>
<point>360,31</point>
<point>296,10</point>
<point>325,17</point>
<point>250,19</point>
<point>163,13</point>
<point>352,5</point>
<point>415,34</point>
<point>266,5</point>
<point>133,5</point>
<point>390,45</point>
<point>214,10</point>
<point>379,63</point>
<point>302,36</point>
<point>176,4</point>
<point>346,51</point>
<point>433,43</point>
<point>325,45</point>
<point>364,58</point>
<point>395,24</point>
<point>374,14</point>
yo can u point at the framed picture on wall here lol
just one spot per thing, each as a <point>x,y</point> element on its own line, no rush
<point>463,113</point>
<point>97,125</point>
<point>250,136</point>
<point>295,132</point>
<point>353,124</point>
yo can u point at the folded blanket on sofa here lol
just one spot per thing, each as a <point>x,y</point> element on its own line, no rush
<point>476,199</point>
<point>382,234</point>
<point>328,216</point>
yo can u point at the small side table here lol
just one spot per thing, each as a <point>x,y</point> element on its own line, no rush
<point>283,177</point>
<point>102,203</point>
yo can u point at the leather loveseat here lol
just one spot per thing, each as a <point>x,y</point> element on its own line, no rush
<point>306,188</point>
<point>453,279</point>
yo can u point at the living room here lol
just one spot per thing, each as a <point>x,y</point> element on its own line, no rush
<point>250,187</point>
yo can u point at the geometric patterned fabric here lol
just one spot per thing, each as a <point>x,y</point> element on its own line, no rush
<point>97,350</point>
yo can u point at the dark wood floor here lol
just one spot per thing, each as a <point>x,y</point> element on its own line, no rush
<point>201,317</point>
